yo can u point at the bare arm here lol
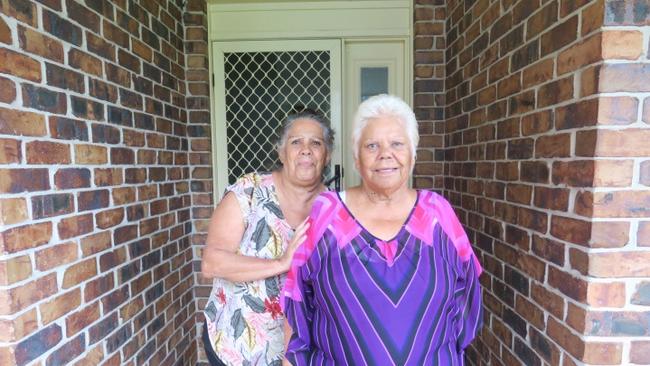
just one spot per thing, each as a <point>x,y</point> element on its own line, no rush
<point>287,337</point>
<point>225,232</point>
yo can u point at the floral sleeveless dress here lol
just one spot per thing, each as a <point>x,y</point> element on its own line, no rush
<point>244,320</point>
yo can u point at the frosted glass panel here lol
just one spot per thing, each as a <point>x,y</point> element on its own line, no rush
<point>374,80</point>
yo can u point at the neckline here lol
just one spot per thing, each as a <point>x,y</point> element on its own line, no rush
<point>274,189</point>
<point>363,228</point>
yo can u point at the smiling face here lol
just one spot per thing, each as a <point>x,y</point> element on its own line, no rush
<point>304,153</point>
<point>385,159</point>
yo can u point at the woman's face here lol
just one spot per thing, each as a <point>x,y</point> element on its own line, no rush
<point>385,159</point>
<point>304,154</point>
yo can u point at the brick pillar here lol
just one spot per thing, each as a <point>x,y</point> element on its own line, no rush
<point>616,201</point>
<point>428,89</point>
<point>545,162</point>
<point>95,254</point>
<point>199,133</point>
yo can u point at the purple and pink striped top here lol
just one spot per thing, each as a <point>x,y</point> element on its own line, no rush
<point>354,299</point>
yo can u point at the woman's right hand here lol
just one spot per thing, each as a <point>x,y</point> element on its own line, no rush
<point>299,237</point>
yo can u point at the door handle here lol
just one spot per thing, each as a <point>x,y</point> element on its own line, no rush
<point>336,178</point>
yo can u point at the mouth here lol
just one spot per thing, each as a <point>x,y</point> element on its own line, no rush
<point>385,170</point>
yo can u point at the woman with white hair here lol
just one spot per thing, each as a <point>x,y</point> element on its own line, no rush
<point>386,275</point>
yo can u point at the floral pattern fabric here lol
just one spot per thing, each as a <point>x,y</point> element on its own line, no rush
<point>245,321</point>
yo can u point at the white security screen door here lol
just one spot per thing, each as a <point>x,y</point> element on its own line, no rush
<point>256,85</point>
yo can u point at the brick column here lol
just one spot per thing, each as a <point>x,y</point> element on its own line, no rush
<point>428,90</point>
<point>544,161</point>
<point>199,133</point>
<point>96,261</point>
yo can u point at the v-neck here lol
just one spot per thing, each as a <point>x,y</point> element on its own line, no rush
<point>276,198</point>
<point>364,229</point>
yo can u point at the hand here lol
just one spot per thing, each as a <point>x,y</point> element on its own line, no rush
<point>299,237</point>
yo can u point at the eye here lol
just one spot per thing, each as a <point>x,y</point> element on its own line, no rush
<point>397,144</point>
<point>371,146</point>
<point>295,142</point>
<point>316,143</point>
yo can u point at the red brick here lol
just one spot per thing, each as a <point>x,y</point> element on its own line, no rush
<point>108,177</point>
<point>81,319</point>
<point>13,211</point>
<point>621,204</point>
<point>592,17</point>
<point>19,298</point>
<point>628,264</point>
<point>627,77</point>
<point>62,28</point>
<point>15,269</point>
<point>646,110</point>
<point>91,154</point>
<point>606,234</point>
<point>56,256</point>
<point>25,237</point>
<point>559,36</point>
<point>87,109</point>
<point>141,49</point>
<point>624,44</point>
<point>59,306</point>
<point>617,110</point>
<point>19,65</point>
<point>69,178</point>
<point>115,34</point>
<point>40,44</point>
<point>67,352</point>
<point>565,338</point>
<point>538,73</point>
<point>643,235</point>
<point>75,226</point>
<point>22,10</point>
<point>83,15</point>
<point>85,62</point>
<point>45,152</point>
<point>51,205</point>
<point>100,47</point>
<point>553,146</point>
<point>14,122</point>
<point>95,243</point>
<point>109,218</point>
<point>548,249</point>
<point>123,195</point>
<point>552,198</point>
<point>579,55</point>
<point>65,79</point>
<point>5,32</point>
<point>92,200</point>
<point>555,92</point>
<point>10,151</point>
<point>610,294</point>
<point>529,311</point>
<point>79,272</point>
<point>580,114</point>
<point>639,352</point>
<point>603,353</point>
<point>7,90</point>
<point>589,81</point>
<point>571,230</point>
<point>19,327</point>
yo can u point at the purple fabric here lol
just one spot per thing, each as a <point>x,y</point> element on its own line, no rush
<point>358,300</point>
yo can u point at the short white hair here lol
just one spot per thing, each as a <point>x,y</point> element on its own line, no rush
<point>385,105</point>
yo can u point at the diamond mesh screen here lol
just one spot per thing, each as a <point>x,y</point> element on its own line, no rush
<point>262,88</point>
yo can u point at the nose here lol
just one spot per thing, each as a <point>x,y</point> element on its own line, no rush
<point>305,150</point>
<point>385,152</point>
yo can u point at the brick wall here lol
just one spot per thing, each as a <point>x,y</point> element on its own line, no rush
<point>428,90</point>
<point>96,262</point>
<point>546,148</point>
